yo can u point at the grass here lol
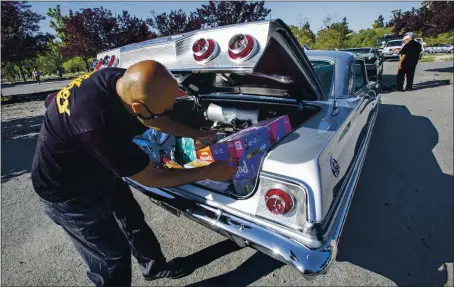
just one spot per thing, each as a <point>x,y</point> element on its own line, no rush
<point>427,59</point>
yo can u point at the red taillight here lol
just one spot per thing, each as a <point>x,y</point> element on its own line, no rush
<point>99,64</point>
<point>278,201</point>
<point>113,61</point>
<point>242,47</point>
<point>204,50</point>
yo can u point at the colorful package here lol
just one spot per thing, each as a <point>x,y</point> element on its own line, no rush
<point>214,138</point>
<point>277,127</point>
<point>243,187</point>
<point>246,147</point>
<point>196,163</point>
<point>185,150</point>
<point>172,164</point>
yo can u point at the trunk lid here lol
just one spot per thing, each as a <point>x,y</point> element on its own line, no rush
<point>257,58</point>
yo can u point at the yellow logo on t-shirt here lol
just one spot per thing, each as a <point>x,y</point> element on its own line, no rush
<point>63,94</point>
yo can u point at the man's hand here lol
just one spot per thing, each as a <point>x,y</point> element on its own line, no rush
<point>399,66</point>
<point>220,171</point>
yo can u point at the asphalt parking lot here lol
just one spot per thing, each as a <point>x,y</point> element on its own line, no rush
<point>399,229</point>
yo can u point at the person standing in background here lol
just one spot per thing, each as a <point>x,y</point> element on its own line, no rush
<point>36,75</point>
<point>409,57</point>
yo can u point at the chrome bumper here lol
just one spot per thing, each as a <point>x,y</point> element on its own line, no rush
<point>308,261</point>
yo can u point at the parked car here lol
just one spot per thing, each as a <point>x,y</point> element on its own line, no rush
<point>374,61</point>
<point>298,203</point>
<point>440,48</point>
<point>392,49</point>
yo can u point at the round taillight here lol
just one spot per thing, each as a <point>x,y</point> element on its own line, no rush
<point>204,50</point>
<point>113,61</point>
<point>99,64</point>
<point>278,201</point>
<point>242,47</point>
<point>106,61</point>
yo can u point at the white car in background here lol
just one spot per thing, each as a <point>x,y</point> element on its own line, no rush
<point>392,49</point>
<point>440,48</point>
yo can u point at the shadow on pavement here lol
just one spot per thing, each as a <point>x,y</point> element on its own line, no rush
<point>430,84</point>
<point>442,70</point>
<point>254,268</point>
<point>19,137</point>
<point>400,222</point>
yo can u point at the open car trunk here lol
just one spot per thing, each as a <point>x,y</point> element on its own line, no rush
<point>269,76</point>
<point>187,111</point>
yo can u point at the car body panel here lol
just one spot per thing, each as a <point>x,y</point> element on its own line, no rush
<point>319,161</point>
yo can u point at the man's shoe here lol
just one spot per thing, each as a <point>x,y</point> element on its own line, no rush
<point>172,271</point>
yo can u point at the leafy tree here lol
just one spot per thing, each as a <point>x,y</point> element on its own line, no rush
<point>21,40</point>
<point>216,13</point>
<point>48,62</point>
<point>90,31</point>
<point>176,22</point>
<point>57,20</point>
<point>442,38</point>
<point>436,17</point>
<point>220,13</point>
<point>433,18</point>
<point>334,35</point>
<point>379,23</point>
<point>87,32</point>
<point>130,29</point>
<point>75,64</point>
<point>303,34</point>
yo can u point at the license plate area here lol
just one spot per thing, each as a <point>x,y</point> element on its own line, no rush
<point>167,207</point>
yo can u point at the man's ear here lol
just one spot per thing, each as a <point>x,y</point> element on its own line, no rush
<point>137,107</point>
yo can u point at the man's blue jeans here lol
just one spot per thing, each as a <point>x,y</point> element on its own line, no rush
<point>105,228</point>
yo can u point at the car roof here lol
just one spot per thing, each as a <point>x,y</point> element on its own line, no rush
<point>342,63</point>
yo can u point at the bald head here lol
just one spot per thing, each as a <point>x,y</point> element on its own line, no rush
<point>148,83</point>
<point>145,79</point>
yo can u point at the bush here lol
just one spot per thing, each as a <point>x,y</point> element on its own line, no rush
<point>76,64</point>
<point>443,38</point>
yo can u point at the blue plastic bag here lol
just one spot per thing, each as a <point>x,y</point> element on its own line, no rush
<point>159,146</point>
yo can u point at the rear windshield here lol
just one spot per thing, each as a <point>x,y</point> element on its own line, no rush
<point>394,43</point>
<point>325,72</point>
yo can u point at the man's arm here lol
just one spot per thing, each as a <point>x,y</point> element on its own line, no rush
<point>402,58</point>
<point>160,177</point>
<point>126,159</point>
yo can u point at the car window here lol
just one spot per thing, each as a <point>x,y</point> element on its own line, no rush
<point>394,43</point>
<point>359,77</point>
<point>325,72</point>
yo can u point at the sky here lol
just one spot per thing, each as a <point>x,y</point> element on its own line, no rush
<point>360,15</point>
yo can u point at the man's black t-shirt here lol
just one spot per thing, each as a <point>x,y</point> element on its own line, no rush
<point>412,51</point>
<point>86,139</point>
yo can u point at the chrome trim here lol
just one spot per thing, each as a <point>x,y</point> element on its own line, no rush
<point>202,49</point>
<point>268,238</point>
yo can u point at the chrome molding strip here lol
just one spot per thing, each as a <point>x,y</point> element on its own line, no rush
<point>265,237</point>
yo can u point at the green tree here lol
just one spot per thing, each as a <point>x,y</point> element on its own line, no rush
<point>21,40</point>
<point>48,62</point>
<point>303,34</point>
<point>75,64</point>
<point>57,21</point>
<point>379,23</point>
<point>334,35</point>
